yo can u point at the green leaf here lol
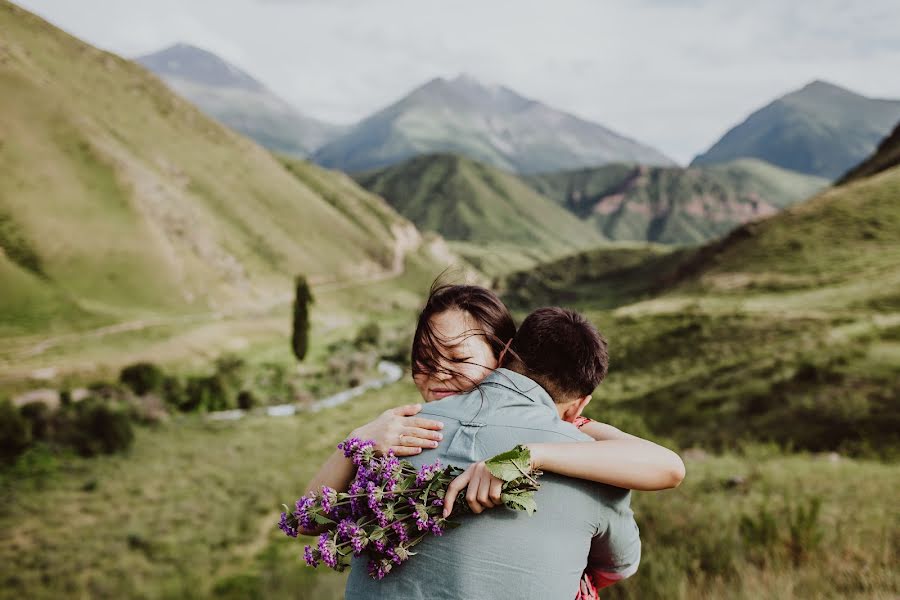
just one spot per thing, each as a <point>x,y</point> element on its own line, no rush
<point>520,501</point>
<point>510,465</point>
<point>322,519</point>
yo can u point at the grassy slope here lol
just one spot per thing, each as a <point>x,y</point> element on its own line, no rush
<point>787,329</point>
<point>674,205</point>
<point>191,511</point>
<point>467,201</point>
<point>133,202</point>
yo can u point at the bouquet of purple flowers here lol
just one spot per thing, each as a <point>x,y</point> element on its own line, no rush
<point>391,506</point>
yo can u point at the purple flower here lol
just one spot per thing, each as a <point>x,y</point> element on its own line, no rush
<point>286,527</point>
<point>401,531</point>
<point>358,542</point>
<point>303,506</point>
<point>328,550</point>
<point>310,556</point>
<point>360,451</point>
<point>379,568</point>
<point>329,500</point>
<point>427,472</point>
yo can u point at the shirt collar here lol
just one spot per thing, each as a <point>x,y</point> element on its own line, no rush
<point>520,384</point>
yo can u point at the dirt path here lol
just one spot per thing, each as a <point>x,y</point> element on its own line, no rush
<point>405,241</point>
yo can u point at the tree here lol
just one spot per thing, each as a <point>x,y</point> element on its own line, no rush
<point>302,300</point>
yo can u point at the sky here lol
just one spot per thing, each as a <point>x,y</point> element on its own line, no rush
<point>674,74</point>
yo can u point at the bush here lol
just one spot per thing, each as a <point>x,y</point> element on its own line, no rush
<point>368,336</point>
<point>246,400</point>
<point>38,415</point>
<point>206,393</point>
<point>15,432</point>
<point>94,426</point>
<point>142,378</point>
<point>173,392</point>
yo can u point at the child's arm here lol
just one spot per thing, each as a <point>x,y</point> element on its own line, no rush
<point>629,462</point>
<point>618,459</point>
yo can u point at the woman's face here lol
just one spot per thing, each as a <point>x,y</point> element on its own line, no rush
<point>464,340</point>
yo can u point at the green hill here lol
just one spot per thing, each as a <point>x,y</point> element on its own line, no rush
<point>486,209</point>
<point>672,205</point>
<point>821,129</point>
<point>787,329</point>
<point>118,198</point>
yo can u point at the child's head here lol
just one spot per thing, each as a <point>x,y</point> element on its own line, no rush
<point>459,338</point>
<point>563,352</point>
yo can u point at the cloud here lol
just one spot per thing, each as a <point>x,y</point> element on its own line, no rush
<point>674,74</point>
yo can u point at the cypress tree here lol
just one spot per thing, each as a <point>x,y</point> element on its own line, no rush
<point>302,300</point>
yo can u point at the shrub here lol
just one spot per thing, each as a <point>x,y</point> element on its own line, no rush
<point>142,378</point>
<point>206,393</point>
<point>173,392</point>
<point>15,432</point>
<point>246,400</point>
<point>805,530</point>
<point>368,336</point>
<point>94,426</point>
<point>38,415</point>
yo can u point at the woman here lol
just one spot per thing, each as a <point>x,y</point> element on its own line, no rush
<point>462,335</point>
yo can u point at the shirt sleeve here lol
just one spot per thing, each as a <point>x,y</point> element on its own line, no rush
<point>616,550</point>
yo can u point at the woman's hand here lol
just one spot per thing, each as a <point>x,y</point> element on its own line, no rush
<point>399,430</point>
<point>483,489</point>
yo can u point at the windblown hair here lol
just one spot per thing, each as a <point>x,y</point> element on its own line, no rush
<point>492,319</point>
<point>562,351</point>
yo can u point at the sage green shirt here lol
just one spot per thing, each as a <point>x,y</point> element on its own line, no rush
<point>504,553</point>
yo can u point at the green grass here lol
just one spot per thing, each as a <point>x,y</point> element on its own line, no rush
<point>191,511</point>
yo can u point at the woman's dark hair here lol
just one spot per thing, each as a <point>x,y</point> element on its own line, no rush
<point>494,321</point>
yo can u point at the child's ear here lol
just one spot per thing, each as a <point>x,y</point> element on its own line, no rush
<point>573,411</point>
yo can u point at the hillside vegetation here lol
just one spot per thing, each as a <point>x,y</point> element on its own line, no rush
<point>118,198</point>
<point>671,205</point>
<point>787,329</point>
<point>466,201</point>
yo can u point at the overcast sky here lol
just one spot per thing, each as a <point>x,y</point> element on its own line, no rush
<point>674,74</point>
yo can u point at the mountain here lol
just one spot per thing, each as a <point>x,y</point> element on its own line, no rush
<point>467,201</point>
<point>488,123</point>
<point>821,129</point>
<point>238,100</point>
<point>885,157</point>
<point>672,205</point>
<point>119,198</point>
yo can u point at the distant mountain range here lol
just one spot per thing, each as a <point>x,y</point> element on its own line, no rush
<point>488,123</point>
<point>673,205</point>
<point>821,129</point>
<point>118,197</point>
<point>237,100</point>
<point>552,213</point>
